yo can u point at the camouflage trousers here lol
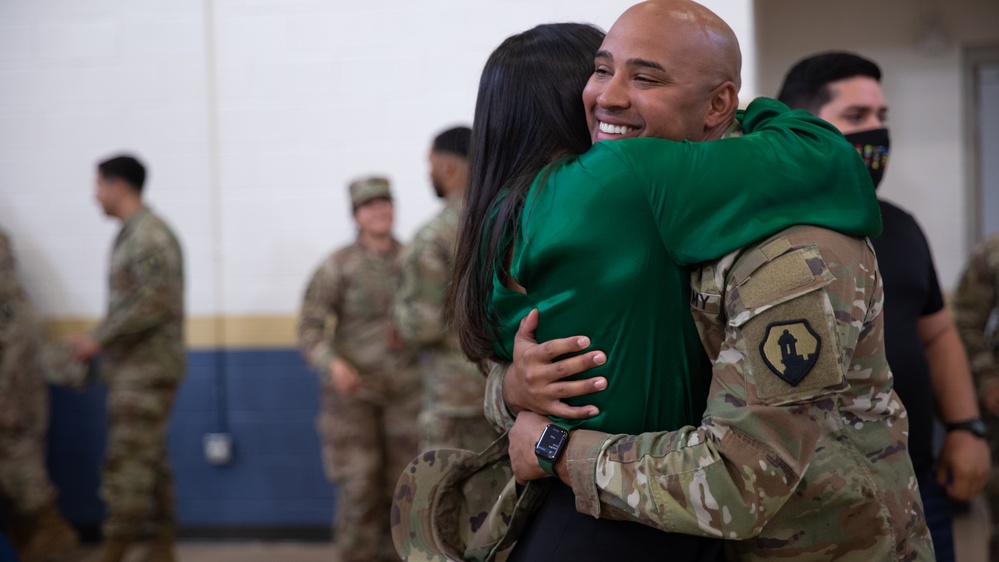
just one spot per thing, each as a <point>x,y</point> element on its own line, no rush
<point>136,482</point>
<point>442,431</point>
<point>24,481</point>
<point>366,446</point>
<point>24,420</point>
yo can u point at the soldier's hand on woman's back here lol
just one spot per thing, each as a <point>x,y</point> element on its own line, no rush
<point>523,436</point>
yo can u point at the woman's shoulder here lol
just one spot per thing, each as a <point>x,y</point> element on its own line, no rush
<point>633,153</point>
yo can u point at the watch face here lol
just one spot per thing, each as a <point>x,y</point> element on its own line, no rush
<point>550,444</point>
<point>978,428</point>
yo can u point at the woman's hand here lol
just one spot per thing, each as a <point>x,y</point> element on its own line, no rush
<point>534,383</point>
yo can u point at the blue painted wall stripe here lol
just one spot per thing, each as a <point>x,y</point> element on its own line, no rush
<point>276,476</point>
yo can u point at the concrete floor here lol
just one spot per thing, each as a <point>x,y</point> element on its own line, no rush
<point>970,537</point>
<point>971,533</point>
<point>226,551</point>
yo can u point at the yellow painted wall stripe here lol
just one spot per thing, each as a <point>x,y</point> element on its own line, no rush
<point>208,332</point>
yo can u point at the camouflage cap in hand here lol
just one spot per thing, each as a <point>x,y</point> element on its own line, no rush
<point>452,504</point>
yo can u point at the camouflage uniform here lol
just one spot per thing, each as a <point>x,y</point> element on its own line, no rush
<point>451,414</point>
<point>974,302</point>
<point>142,362</point>
<point>368,438</point>
<point>24,401</point>
<point>798,460</point>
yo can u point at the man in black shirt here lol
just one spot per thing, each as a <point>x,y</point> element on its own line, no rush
<point>924,350</point>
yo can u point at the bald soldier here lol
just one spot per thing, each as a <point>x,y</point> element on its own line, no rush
<point>370,388</point>
<point>801,453</point>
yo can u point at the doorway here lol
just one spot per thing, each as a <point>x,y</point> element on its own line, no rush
<point>982,72</point>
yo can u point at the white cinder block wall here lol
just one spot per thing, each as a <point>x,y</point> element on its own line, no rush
<point>78,81</point>
<point>252,115</point>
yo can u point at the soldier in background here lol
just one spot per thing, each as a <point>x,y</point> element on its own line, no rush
<point>141,344</point>
<point>451,415</point>
<point>974,304</point>
<point>370,386</point>
<point>37,530</point>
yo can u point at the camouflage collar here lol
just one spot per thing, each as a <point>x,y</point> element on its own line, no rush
<point>129,224</point>
<point>392,251</point>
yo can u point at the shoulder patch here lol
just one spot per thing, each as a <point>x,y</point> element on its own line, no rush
<point>803,364</point>
<point>790,349</point>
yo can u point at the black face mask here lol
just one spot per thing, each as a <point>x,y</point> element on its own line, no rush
<point>873,148</point>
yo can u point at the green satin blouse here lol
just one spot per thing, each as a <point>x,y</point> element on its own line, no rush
<point>606,239</point>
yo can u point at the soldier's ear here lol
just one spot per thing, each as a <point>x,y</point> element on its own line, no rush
<point>722,103</point>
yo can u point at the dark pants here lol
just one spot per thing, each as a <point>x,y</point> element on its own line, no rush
<point>939,515</point>
<point>558,532</point>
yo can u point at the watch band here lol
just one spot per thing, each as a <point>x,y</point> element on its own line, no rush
<point>547,467</point>
<point>975,425</point>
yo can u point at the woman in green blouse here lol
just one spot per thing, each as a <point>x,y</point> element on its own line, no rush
<point>597,238</point>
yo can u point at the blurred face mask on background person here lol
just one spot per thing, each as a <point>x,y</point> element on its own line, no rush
<point>858,109</point>
<point>873,146</point>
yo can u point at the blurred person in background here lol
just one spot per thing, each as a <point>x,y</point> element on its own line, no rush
<point>36,529</point>
<point>451,416</point>
<point>927,360</point>
<point>975,302</point>
<point>369,382</point>
<point>143,359</point>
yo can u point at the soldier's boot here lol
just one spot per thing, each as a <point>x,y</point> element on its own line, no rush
<point>112,550</point>
<point>161,548</point>
<point>50,537</point>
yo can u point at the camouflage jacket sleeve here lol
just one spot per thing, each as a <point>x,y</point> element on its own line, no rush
<point>19,326</point>
<point>419,304</point>
<point>973,304</point>
<point>23,397</point>
<point>6,255</point>
<point>10,292</point>
<point>324,292</point>
<point>497,412</point>
<point>729,476</point>
<point>146,282</point>
<point>9,285</point>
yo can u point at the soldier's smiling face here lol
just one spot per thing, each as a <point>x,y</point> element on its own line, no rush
<point>657,73</point>
<point>374,217</point>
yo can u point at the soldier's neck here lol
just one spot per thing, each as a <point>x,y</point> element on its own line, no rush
<point>127,208</point>
<point>378,243</point>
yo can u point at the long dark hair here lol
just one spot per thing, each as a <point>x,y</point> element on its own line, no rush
<point>529,110</point>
